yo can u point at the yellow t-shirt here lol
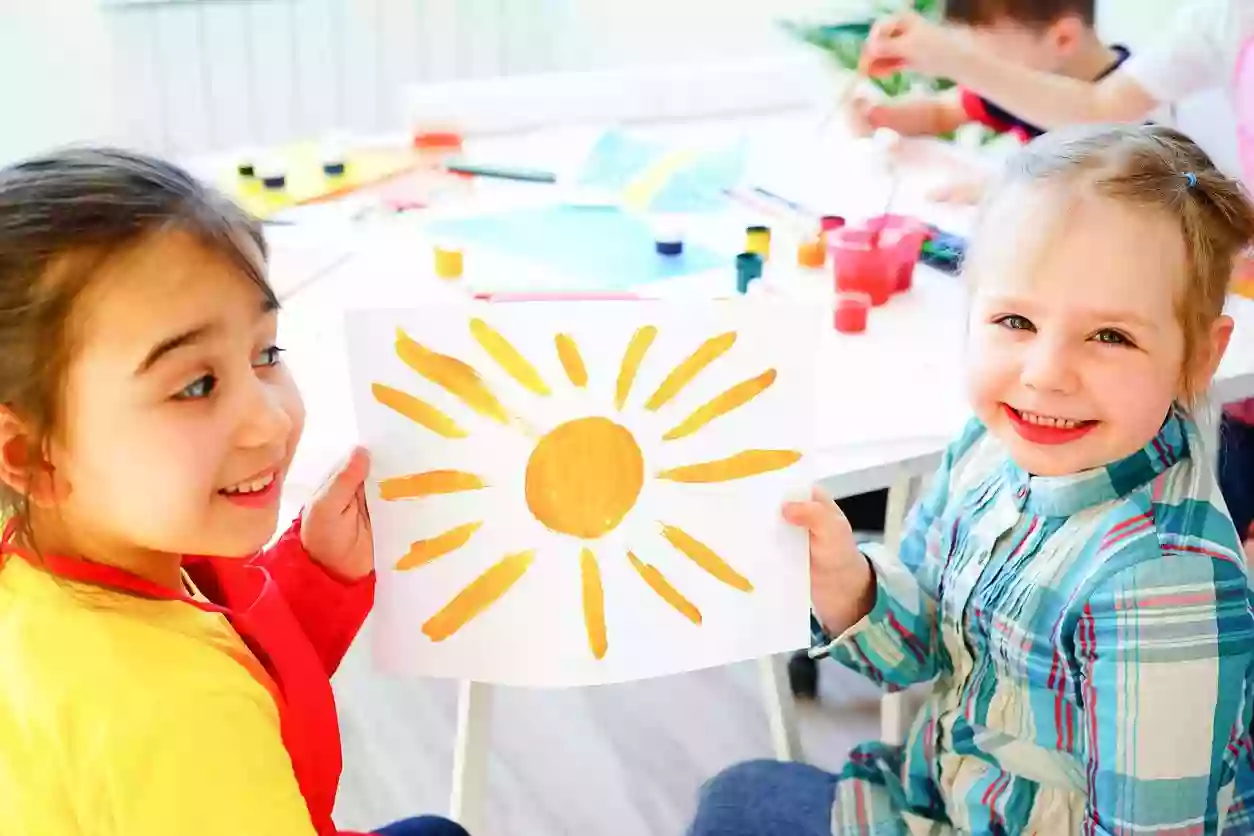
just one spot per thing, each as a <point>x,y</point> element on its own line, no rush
<point>124,716</point>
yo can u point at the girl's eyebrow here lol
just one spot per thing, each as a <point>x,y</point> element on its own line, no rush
<point>1116,317</point>
<point>178,341</point>
<point>1122,318</point>
<point>191,337</point>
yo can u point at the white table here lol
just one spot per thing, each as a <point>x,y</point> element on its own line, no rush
<point>896,396</point>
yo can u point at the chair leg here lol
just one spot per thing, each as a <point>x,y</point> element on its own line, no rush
<point>803,676</point>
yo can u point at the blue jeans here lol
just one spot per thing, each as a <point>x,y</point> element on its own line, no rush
<point>423,826</point>
<point>1236,471</point>
<point>766,798</point>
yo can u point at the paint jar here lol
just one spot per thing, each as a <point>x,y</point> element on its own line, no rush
<point>828,224</point>
<point>748,269</point>
<point>449,262</point>
<point>758,240</point>
<point>812,254</point>
<point>864,264</point>
<point>906,235</point>
<point>851,312</point>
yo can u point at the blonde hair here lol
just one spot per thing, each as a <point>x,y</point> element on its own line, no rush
<point>1155,168</point>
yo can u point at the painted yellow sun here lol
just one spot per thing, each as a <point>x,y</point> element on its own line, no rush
<point>583,476</point>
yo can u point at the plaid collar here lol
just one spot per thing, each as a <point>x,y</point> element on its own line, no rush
<point>1062,496</point>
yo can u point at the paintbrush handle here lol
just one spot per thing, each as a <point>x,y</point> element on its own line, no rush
<point>842,101</point>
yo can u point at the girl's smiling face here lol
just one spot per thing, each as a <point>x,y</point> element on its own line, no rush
<point>178,421</point>
<point>1076,351</point>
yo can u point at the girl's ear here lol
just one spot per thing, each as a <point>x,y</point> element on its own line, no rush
<point>1066,33</point>
<point>1209,352</point>
<point>22,469</point>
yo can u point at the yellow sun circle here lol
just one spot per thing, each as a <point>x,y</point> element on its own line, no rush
<point>584,476</point>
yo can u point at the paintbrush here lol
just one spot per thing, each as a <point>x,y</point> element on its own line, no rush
<point>842,101</point>
<point>886,142</point>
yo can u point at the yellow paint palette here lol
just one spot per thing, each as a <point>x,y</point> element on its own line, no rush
<point>301,164</point>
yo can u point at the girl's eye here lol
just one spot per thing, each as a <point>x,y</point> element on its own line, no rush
<point>199,388</point>
<point>268,357</point>
<point>1111,337</point>
<point>1015,323</point>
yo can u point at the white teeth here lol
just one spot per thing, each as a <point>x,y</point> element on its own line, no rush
<point>1047,421</point>
<point>251,487</point>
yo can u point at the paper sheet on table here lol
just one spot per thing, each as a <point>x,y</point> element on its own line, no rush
<point>593,248</point>
<point>651,177</point>
<point>593,552</point>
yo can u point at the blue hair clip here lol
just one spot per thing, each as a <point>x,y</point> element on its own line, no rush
<point>1190,178</point>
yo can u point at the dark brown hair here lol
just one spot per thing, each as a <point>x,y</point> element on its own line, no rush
<point>1034,13</point>
<point>62,216</point>
<point>1158,169</point>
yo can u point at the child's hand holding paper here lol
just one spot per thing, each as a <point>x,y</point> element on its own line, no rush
<point>842,585</point>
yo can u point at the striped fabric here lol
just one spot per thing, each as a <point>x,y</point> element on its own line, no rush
<point>1091,641</point>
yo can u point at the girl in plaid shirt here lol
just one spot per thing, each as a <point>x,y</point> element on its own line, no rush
<point>1072,583</point>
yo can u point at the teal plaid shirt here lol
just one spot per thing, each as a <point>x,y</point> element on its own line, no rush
<point>1092,646</point>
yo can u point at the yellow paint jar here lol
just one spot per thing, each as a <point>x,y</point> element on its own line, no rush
<point>449,263</point>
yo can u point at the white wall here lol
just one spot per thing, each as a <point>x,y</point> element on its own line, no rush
<point>180,78</point>
<point>47,93</point>
<point>185,77</point>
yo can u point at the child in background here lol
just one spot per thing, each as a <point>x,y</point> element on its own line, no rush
<point>1071,581</point>
<point>1210,45</point>
<point>159,674</point>
<point>1053,36</point>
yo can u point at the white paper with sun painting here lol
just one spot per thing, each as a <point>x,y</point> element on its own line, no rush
<point>572,493</point>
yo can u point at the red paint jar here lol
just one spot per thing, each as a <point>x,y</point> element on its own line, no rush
<point>851,312</point>
<point>863,264</point>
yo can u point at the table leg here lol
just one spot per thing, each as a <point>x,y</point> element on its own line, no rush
<point>894,709</point>
<point>470,755</point>
<point>781,708</point>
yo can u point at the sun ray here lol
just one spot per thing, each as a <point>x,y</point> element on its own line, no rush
<point>508,357</point>
<point>704,556</point>
<point>458,378</point>
<point>659,584</point>
<point>721,404</point>
<point>593,603</point>
<point>422,552</point>
<point>572,362</point>
<point>478,595</point>
<point>417,410</point>
<point>739,466</point>
<point>632,358</point>
<point>429,483</point>
<point>682,375</point>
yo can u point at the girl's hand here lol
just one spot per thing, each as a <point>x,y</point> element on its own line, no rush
<point>910,41</point>
<point>335,526</point>
<point>858,115</point>
<point>842,585</point>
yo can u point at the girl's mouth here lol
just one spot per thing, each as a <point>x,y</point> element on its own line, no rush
<point>1046,429</point>
<point>256,492</point>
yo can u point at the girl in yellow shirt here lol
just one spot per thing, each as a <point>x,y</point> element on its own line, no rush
<point>160,673</point>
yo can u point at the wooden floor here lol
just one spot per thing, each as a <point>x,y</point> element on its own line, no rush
<point>609,761</point>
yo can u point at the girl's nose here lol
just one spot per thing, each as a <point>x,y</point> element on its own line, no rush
<point>264,418</point>
<point>1048,367</point>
